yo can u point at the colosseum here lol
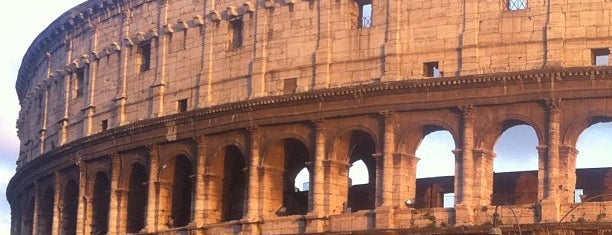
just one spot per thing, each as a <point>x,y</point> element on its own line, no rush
<point>196,116</point>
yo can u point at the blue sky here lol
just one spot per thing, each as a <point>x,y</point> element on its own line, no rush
<point>23,20</point>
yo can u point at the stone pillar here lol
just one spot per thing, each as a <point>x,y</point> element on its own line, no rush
<point>35,214</point>
<point>318,211</point>
<point>121,96</point>
<point>90,78</point>
<point>152,207</point>
<point>253,214</point>
<point>567,155</point>
<point>213,188</point>
<point>384,212</point>
<point>158,89</point>
<point>542,165</point>
<point>199,214</point>
<point>464,174</point>
<point>483,176</point>
<point>57,204</point>
<point>468,51</point>
<point>392,48</point>
<point>323,53</point>
<point>82,217</point>
<point>114,219</point>
<point>552,181</point>
<point>259,64</point>
<point>405,178</point>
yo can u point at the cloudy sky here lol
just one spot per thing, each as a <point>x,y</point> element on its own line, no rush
<point>23,20</point>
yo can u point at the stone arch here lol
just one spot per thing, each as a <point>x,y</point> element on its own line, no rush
<point>136,198</point>
<point>27,217</point>
<point>45,210</point>
<point>177,172</point>
<point>427,192</point>
<point>580,123</point>
<point>353,145</point>
<point>70,204</point>
<point>516,186</point>
<point>494,131</point>
<point>283,159</point>
<point>227,182</point>
<point>408,144</point>
<point>100,203</point>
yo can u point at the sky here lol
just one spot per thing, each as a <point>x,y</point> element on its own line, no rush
<point>24,20</point>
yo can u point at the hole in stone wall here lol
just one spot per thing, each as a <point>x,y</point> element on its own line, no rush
<point>181,192</point>
<point>101,204</point>
<point>234,184</point>
<point>436,169</point>
<point>137,199</point>
<point>45,213</point>
<point>515,165</point>
<point>600,56</point>
<point>593,165</point>
<point>70,210</point>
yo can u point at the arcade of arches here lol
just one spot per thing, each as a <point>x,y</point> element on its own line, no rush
<point>244,175</point>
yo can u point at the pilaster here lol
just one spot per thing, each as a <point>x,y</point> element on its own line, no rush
<point>158,89</point>
<point>82,216</point>
<point>552,177</point>
<point>567,155</point>
<point>253,215</point>
<point>200,189</point>
<point>259,64</point>
<point>114,218</point>
<point>57,204</point>
<point>392,48</point>
<point>464,175</point>
<point>483,177</point>
<point>121,96</point>
<point>323,53</point>
<point>316,216</point>
<point>152,207</point>
<point>468,51</point>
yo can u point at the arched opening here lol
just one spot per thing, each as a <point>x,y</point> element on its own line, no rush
<point>182,185</point>
<point>137,199</point>
<point>45,212</point>
<point>362,148</point>
<point>101,204</point>
<point>515,166</point>
<point>435,171</point>
<point>296,155</point>
<point>593,164</point>
<point>234,184</point>
<point>71,204</point>
<point>27,218</point>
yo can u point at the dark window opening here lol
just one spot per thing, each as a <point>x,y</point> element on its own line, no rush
<point>45,213</point>
<point>181,192</point>
<point>365,13</point>
<point>600,56</point>
<point>27,219</point>
<point>104,125</point>
<point>514,5</point>
<point>137,202</point>
<point>362,196</point>
<point>432,69</point>
<point>70,210</point>
<point>289,86</point>
<point>234,184</point>
<point>295,201</point>
<point>144,57</point>
<point>182,105</point>
<point>101,204</point>
<point>236,29</point>
<point>79,80</point>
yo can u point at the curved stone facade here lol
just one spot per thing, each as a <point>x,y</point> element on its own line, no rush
<point>158,116</point>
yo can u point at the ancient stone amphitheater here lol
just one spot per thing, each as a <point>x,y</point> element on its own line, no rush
<point>195,116</point>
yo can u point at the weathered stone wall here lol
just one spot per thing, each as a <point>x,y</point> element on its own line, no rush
<point>319,44</point>
<point>215,105</point>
